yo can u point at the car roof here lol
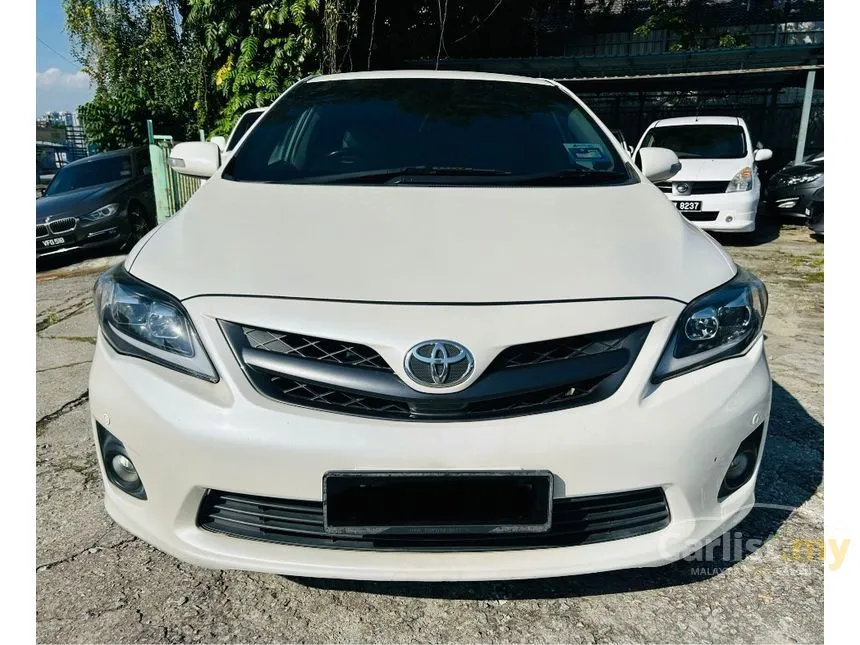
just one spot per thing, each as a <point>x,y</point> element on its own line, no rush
<point>104,155</point>
<point>698,120</point>
<point>255,110</point>
<point>420,73</point>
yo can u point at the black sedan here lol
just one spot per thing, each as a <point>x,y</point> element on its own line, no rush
<point>106,200</point>
<point>815,214</point>
<point>789,191</point>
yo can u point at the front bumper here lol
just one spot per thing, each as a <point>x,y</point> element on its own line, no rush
<point>723,212</point>
<point>186,436</point>
<point>95,236</point>
<point>791,200</point>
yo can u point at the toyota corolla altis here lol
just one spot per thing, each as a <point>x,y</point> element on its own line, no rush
<point>428,326</point>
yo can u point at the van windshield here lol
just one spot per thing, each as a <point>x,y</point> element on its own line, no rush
<point>699,141</point>
<point>421,130</point>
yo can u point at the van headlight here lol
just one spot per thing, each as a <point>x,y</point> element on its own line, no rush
<point>741,181</point>
<point>720,324</point>
<point>139,320</point>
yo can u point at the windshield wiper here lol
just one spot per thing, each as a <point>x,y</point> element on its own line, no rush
<point>571,177</point>
<point>387,174</point>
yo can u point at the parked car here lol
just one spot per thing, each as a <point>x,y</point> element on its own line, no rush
<point>718,187</point>
<point>815,213</point>
<point>791,189</point>
<point>431,326</point>
<point>99,201</point>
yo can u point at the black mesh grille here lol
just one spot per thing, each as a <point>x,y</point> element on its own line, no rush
<point>575,521</point>
<point>318,349</point>
<point>524,379</point>
<point>560,349</point>
<point>322,396</point>
<point>63,225</point>
<point>41,230</point>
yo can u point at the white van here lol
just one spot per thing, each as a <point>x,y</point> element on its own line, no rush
<point>718,186</point>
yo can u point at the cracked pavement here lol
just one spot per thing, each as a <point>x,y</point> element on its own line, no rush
<point>97,583</point>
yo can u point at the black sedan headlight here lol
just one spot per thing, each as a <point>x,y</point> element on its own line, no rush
<point>720,324</point>
<point>805,178</point>
<point>101,213</point>
<point>139,320</point>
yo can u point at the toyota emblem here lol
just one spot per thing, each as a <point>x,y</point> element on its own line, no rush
<point>439,363</point>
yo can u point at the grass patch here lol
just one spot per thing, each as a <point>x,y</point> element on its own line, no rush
<point>815,276</point>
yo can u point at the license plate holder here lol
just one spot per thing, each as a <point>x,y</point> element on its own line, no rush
<point>437,502</point>
<point>687,206</point>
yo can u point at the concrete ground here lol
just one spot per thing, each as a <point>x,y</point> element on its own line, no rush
<point>96,583</point>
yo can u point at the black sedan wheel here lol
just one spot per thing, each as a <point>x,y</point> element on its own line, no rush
<point>138,224</point>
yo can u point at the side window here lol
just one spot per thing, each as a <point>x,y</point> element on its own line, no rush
<point>141,160</point>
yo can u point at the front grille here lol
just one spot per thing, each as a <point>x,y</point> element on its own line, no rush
<point>523,379</point>
<point>41,230</point>
<point>701,216</point>
<point>560,349</point>
<point>575,521</point>
<point>64,225</point>
<point>696,187</point>
<point>312,348</point>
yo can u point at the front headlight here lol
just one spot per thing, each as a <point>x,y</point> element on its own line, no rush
<point>803,179</point>
<point>101,213</point>
<point>139,320</point>
<point>720,324</point>
<point>741,181</point>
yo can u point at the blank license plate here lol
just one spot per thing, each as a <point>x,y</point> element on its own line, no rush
<point>688,206</point>
<point>437,503</point>
<point>54,241</point>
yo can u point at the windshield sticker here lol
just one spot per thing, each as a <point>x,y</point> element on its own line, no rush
<point>586,151</point>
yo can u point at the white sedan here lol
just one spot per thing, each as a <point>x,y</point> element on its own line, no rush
<point>428,326</point>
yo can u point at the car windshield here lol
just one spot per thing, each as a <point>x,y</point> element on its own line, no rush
<point>699,141</point>
<point>90,173</point>
<point>245,122</point>
<point>424,130</point>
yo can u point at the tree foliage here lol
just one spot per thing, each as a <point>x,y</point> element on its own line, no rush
<point>140,62</point>
<point>191,64</point>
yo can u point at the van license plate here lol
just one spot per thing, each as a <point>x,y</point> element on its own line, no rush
<point>688,206</point>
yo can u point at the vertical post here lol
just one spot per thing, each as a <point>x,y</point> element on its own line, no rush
<point>160,179</point>
<point>804,117</point>
<point>202,135</point>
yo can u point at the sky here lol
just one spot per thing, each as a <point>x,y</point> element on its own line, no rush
<point>60,83</point>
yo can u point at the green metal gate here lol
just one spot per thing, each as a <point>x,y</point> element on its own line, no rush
<point>172,190</point>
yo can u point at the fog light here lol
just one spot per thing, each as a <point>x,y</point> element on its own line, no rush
<point>730,218</point>
<point>124,469</point>
<point>743,464</point>
<point>119,468</point>
<point>786,204</point>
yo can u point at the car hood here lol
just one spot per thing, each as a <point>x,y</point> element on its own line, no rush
<point>799,169</point>
<point>710,169</point>
<point>424,244</point>
<point>75,202</point>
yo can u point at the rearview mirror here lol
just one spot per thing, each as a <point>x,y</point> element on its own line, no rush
<point>195,158</point>
<point>658,164</point>
<point>219,141</point>
<point>763,154</point>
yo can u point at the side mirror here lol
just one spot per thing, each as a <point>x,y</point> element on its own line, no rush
<point>195,158</point>
<point>659,164</point>
<point>763,154</point>
<point>219,141</point>
<point>43,190</point>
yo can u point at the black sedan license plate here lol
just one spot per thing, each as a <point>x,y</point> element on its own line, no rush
<point>437,502</point>
<point>688,206</point>
<point>54,241</point>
